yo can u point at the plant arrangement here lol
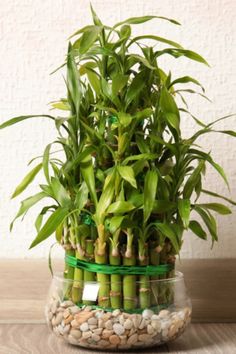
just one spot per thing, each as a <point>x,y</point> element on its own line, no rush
<point>125,184</point>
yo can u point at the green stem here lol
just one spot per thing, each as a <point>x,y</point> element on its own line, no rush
<point>116,279</point>
<point>103,279</point>
<point>77,289</point>
<point>154,256</point>
<point>129,281</point>
<point>89,276</point>
<point>144,281</point>
<point>68,274</point>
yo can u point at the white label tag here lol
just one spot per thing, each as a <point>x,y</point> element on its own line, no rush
<point>90,292</point>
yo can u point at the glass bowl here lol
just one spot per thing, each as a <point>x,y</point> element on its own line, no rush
<point>86,323</point>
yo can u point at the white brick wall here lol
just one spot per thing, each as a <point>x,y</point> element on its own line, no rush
<point>33,42</point>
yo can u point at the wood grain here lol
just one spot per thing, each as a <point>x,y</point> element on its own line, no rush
<point>24,285</point>
<point>198,339</point>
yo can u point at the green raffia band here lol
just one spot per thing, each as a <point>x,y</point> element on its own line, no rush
<point>122,270</point>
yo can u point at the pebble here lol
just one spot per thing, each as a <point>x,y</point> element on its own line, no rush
<point>107,333</point>
<point>58,319</point>
<point>68,319</point>
<point>118,329</point>
<point>144,337</point>
<point>84,327</point>
<point>132,339</point>
<point>95,337</point>
<point>98,331</point>
<point>74,324</point>
<point>92,321</point>
<point>128,324</point>
<point>115,330</point>
<point>72,340</point>
<point>67,303</point>
<point>156,325</point>
<point>114,339</point>
<point>150,329</point>
<point>164,313</point>
<point>116,312</point>
<point>66,329</point>
<point>147,314</point>
<point>109,324</point>
<point>103,343</point>
<point>86,334</point>
<point>76,333</point>
<point>54,306</point>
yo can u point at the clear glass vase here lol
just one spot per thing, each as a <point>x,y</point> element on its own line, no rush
<point>89,325</point>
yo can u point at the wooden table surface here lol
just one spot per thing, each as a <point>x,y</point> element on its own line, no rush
<point>23,330</point>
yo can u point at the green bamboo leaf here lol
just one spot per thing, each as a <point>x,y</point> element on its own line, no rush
<point>54,220</point>
<point>87,39</point>
<point>87,171</point>
<point>120,207</point>
<point>141,60</point>
<point>124,118</point>
<point>209,221</point>
<point>197,229</point>
<point>169,108</point>
<point>16,120</point>
<point>138,20</point>
<point>163,206</point>
<point>73,83</point>
<point>184,208</point>
<point>156,38</point>
<point>81,196</point>
<point>127,173</point>
<point>135,88</point>
<point>192,180</point>
<point>96,20</point>
<point>118,83</point>
<point>184,80</point>
<point>218,207</point>
<point>115,222</point>
<point>168,232</point>
<point>140,157</point>
<point>213,194</point>
<point>105,199</point>
<point>26,204</point>
<point>176,52</point>
<point>27,180</point>
<point>60,193</point>
<point>94,80</point>
<point>39,219</point>
<point>145,113</point>
<point>46,161</point>
<point>150,188</point>
<point>209,159</point>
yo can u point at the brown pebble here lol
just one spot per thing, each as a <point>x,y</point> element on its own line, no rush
<point>74,324</point>
<point>66,313</point>
<point>114,339</point>
<point>83,316</point>
<point>68,319</point>
<point>107,333</point>
<point>144,338</point>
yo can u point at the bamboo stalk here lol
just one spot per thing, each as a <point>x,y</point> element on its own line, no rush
<point>68,274</point>
<point>103,279</point>
<point>89,276</point>
<point>144,280</point>
<point>116,279</point>
<point>154,255</point>
<point>129,281</point>
<point>77,288</point>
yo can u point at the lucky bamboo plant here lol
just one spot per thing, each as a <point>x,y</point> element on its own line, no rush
<point>127,184</point>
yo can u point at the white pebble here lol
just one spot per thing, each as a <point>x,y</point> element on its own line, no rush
<point>95,337</point>
<point>86,335</point>
<point>116,312</point>
<point>147,314</point>
<point>118,329</point>
<point>84,327</point>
